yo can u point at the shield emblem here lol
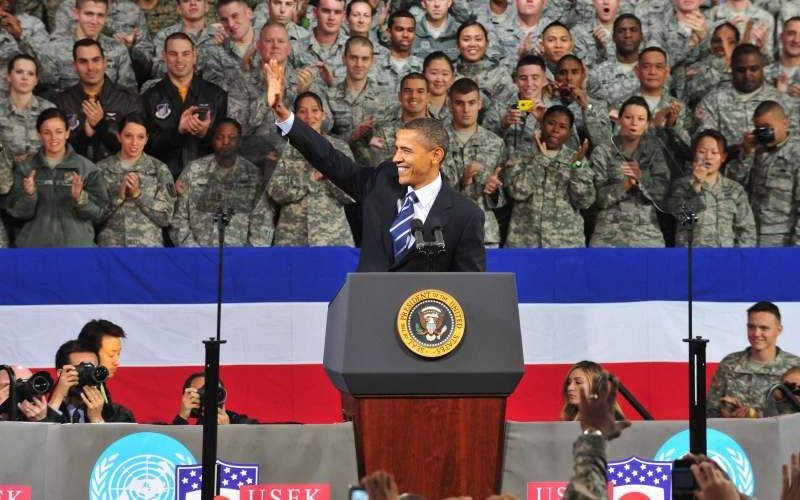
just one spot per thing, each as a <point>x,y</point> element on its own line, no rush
<point>163,110</point>
<point>72,121</point>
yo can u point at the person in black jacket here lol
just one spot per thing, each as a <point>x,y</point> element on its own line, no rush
<point>96,105</point>
<point>191,405</point>
<point>182,108</point>
<point>81,404</point>
<point>407,187</point>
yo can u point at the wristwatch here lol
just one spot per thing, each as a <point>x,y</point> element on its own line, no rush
<point>591,431</point>
<point>118,201</point>
<point>576,164</point>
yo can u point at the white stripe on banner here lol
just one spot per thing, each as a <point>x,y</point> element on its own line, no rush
<point>293,333</point>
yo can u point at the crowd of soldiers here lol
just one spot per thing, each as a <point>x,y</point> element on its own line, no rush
<point>609,123</point>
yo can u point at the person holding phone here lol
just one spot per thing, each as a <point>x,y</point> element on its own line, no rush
<point>58,194</point>
<point>725,218</point>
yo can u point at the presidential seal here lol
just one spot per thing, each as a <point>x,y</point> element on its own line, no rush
<point>431,323</point>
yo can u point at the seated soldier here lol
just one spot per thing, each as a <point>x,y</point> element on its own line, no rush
<point>738,386</point>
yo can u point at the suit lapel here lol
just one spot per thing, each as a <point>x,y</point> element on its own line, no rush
<point>388,212</point>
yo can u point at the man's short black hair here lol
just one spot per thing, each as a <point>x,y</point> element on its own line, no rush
<point>48,114</point>
<point>626,17</point>
<point>93,332</point>
<point>736,35</point>
<point>765,307</point>
<point>86,42</point>
<point>229,121</point>
<point>469,24</point>
<point>746,49</point>
<point>654,49</point>
<point>768,107</point>
<point>71,347</point>
<point>414,75</point>
<point>722,143</point>
<point>559,109</point>
<point>221,3</point>
<point>306,95</point>
<point>179,35</point>
<point>430,130</point>
<point>530,60</point>
<point>568,57</point>
<point>401,14</point>
<point>556,24</point>
<point>463,86</point>
<point>191,378</point>
<point>435,56</point>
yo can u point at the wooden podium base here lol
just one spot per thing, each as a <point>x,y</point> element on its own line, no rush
<point>435,446</point>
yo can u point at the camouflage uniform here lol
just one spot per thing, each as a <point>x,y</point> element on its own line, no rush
<point>701,78</point>
<point>204,41</point>
<point>746,380</point>
<point>309,52</point>
<point>723,12</point>
<point>18,133</point>
<point>772,179</point>
<point>33,37</point>
<point>548,197</point>
<point>496,23</point>
<point>123,17</point>
<point>244,189</point>
<point>628,218</point>
<point>425,43</point>
<point>33,8</point>
<point>731,112</point>
<point>585,12</point>
<point>488,149</point>
<point>610,81</point>
<point>136,223</point>
<point>774,70</point>
<point>311,212</point>
<point>507,38</point>
<point>348,111</point>
<point>57,70</point>
<point>163,14</point>
<point>51,217</point>
<point>223,67</point>
<point>725,218</point>
<point>588,480</point>
<point>649,11</point>
<point>673,36</point>
<point>381,146</point>
<point>492,78</point>
<point>585,46</point>
<point>384,74</point>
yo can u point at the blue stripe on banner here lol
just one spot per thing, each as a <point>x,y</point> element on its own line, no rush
<point>188,276</point>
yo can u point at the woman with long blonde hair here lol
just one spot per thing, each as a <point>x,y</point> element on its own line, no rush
<point>580,378</point>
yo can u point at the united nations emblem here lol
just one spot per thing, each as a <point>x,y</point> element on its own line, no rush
<point>431,323</point>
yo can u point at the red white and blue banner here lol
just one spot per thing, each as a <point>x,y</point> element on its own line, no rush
<point>623,308</point>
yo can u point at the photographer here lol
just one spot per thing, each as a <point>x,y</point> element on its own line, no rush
<point>777,401</point>
<point>192,405</point>
<point>30,408</point>
<point>76,397</point>
<point>767,167</point>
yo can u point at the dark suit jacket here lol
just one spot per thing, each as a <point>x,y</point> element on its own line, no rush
<point>378,190</point>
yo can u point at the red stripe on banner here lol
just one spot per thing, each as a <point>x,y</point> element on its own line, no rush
<point>303,393</point>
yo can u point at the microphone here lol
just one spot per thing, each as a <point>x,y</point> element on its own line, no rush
<point>438,238</point>
<point>416,231</point>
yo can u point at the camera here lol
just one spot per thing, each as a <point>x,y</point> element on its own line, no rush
<point>88,374</point>
<point>764,135</point>
<point>39,384</point>
<point>202,110</point>
<point>524,105</point>
<point>358,493</point>
<point>683,482</point>
<point>221,396</point>
<point>564,94</point>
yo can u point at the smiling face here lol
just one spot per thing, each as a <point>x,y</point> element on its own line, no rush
<point>763,330</point>
<point>417,161</point>
<point>311,113</point>
<point>273,43</point>
<point>530,81</point>
<point>90,65</point>
<point>54,134</point>
<point>472,44</point>
<point>132,140</point>
<point>790,38</point>
<point>237,19</point>
<point>556,43</point>
<point>180,57</point>
<point>414,96</point>
<point>91,18</point>
<point>440,76</point>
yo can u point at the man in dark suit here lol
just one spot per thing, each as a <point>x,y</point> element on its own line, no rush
<point>394,193</point>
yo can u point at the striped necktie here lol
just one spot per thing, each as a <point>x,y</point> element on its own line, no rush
<point>400,230</point>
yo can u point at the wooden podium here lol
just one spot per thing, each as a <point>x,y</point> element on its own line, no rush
<point>436,423</point>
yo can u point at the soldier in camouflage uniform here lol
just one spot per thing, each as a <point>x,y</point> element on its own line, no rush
<point>20,34</point>
<point>724,216</point>
<point>6,182</point>
<point>730,109</point>
<point>591,115</point>
<point>357,103</point>
<point>326,45</point>
<point>192,22</point>
<point>475,157</point>
<point>58,193</point>
<point>436,30</point>
<point>550,185</point>
<point>18,112</point>
<point>387,71</point>
<point>593,39</point>
<point>495,16</point>
<point>413,99</point>
<point>712,71</point>
<point>159,15</point>
<point>742,379</point>
<point>521,34</point>
<point>771,174</point>
<point>681,32</point>
<point>141,191</point>
<point>783,73</point>
<point>58,72</point>
<point>614,79</point>
<point>226,179</point>
<point>631,178</point>
<point>740,13</point>
<point>311,207</point>
<point>473,63</point>
<point>281,12</point>
<point>440,72</point>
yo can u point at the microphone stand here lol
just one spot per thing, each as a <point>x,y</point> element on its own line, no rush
<point>212,345</point>
<point>697,355</point>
